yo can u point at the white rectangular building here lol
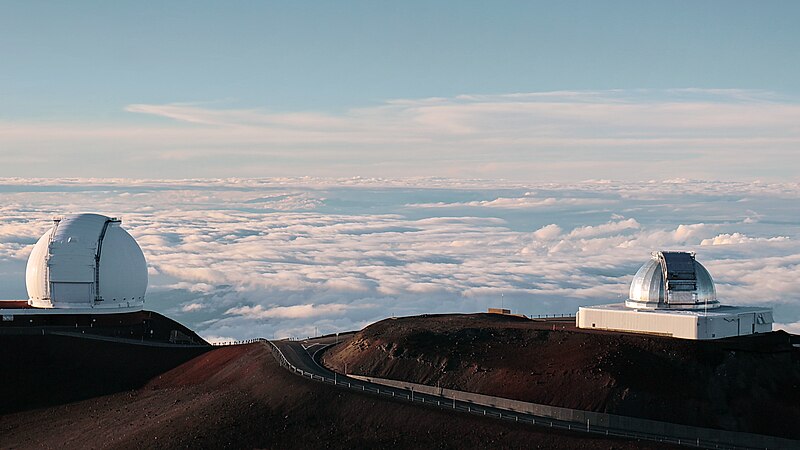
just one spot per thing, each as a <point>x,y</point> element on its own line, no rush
<point>720,322</point>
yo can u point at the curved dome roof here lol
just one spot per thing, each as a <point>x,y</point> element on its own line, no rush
<point>686,284</point>
<point>86,261</point>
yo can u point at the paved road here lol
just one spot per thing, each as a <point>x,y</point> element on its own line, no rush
<point>305,356</point>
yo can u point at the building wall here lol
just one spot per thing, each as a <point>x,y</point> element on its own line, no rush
<point>680,325</point>
<point>684,326</point>
<point>717,327</point>
<point>764,321</point>
<point>747,323</point>
<point>735,324</point>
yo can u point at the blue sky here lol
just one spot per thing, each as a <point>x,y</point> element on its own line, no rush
<point>71,71</point>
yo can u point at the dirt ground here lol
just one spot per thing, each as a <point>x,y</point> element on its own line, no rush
<point>238,397</point>
<point>747,384</point>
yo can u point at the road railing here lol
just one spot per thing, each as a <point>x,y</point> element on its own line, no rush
<point>246,341</point>
<point>545,415</point>
<point>609,424</point>
<point>551,316</point>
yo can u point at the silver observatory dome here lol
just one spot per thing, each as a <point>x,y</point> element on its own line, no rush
<point>672,280</point>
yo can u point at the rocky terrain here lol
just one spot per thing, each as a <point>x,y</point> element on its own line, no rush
<point>747,384</point>
<point>239,397</point>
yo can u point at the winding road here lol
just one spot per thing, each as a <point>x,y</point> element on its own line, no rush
<point>303,357</point>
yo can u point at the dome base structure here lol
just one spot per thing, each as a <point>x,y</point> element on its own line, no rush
<point>721,322</point>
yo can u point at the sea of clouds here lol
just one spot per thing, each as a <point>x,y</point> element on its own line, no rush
<point>243,258</point>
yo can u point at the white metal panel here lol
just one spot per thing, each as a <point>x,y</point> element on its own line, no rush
<point>72,292</point>
<point>123,269</point>
<point>72,258</point>
<point>70,266</point>
<point>721,326</point>
<point>36,272</point>
<point>684,326</point>
<point>763,327</point>
<point>747,323</point>
<point>648,284</point>
<point>763,321</point>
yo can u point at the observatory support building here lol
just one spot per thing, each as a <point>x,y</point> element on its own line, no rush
<point>674,295</point>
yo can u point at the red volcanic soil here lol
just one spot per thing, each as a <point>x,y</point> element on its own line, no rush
<point>239,397</point>
<point>749,383</point>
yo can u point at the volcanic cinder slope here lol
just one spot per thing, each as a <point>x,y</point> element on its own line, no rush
<point>750,383</point>
<point>239,397</point>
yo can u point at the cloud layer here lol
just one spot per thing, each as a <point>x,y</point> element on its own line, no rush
<point>287,257</point>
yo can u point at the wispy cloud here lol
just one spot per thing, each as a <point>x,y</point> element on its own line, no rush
<point>548,135</point>
<point>288,312</point>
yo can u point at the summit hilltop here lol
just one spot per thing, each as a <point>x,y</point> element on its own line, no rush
<point>748,383</point>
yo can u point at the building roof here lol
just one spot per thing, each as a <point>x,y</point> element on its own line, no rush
<point>719,311</point>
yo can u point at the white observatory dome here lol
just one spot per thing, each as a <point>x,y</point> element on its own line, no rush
<point>672,280</point>
<point>86,261</point>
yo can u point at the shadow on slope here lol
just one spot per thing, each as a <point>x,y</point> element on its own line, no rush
<point>239,397</point>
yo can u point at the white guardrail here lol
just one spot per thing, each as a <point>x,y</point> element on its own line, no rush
<point>246,341</point>
<point>736,441</point>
